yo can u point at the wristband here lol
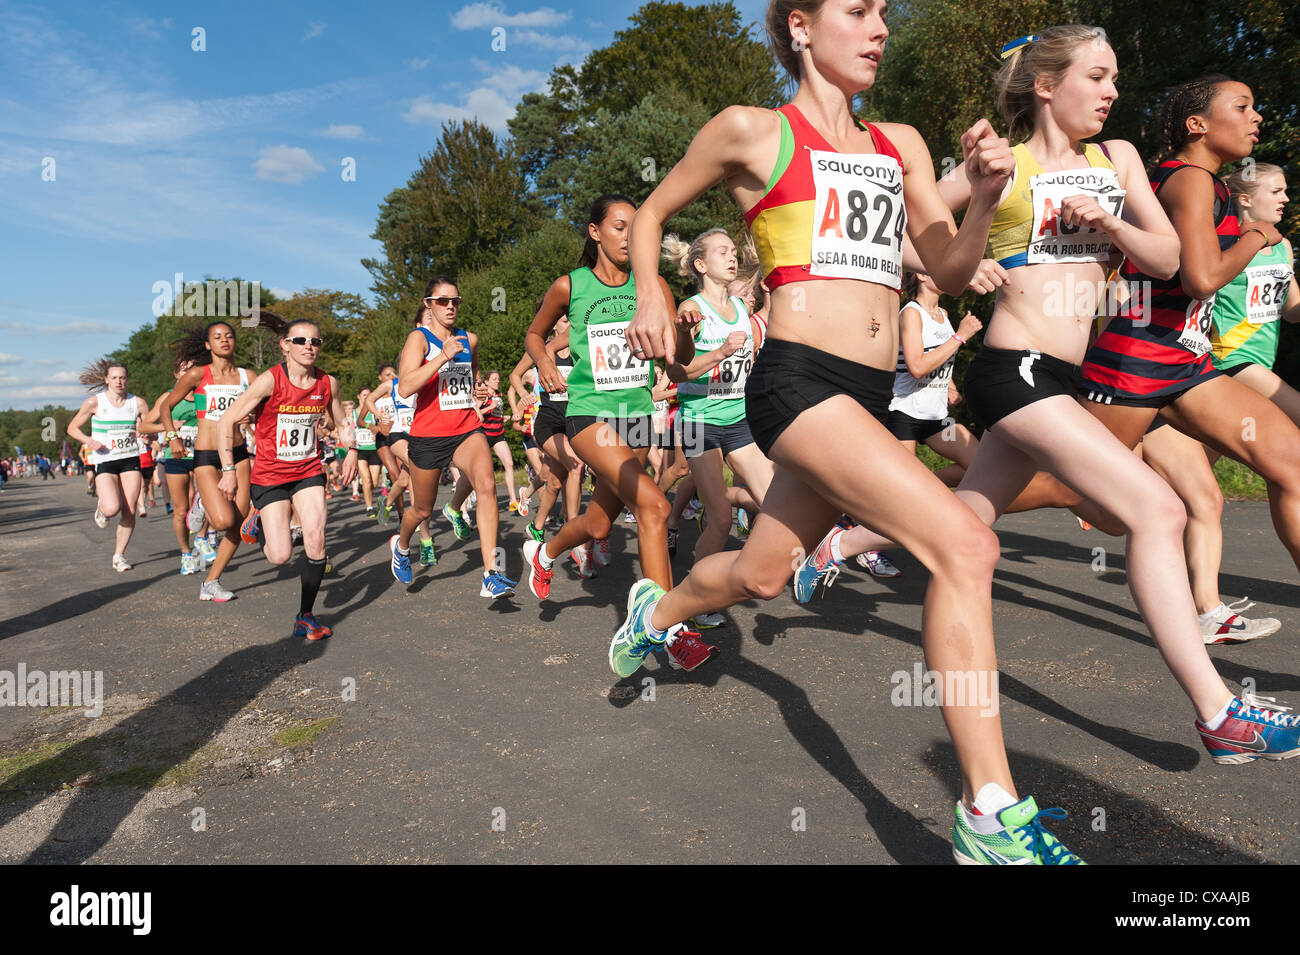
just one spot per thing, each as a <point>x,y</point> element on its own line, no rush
<point>1261,234</point>
<point>228,467</point>
<point>172,436</point>
<point>959,338</point>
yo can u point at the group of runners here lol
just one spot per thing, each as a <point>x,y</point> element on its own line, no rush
<point>793,370</point>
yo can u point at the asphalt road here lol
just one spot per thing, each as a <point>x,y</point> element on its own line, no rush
<point>436,726</point>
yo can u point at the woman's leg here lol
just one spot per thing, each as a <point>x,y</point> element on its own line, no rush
<point>1245,425</point>
<point>502,451</point>
<point>230,515</point>
<point>819,475</point>
<point>754,468</point>
<point>1267,383</point>
<point>178,488</point>
<point>474,460</point>
<point>424,494</point>
<point>706,468</point>
<point>1181,461</point>
<point>277,542</point>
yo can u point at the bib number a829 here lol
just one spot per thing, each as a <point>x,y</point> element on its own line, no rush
<point>859,217</point>
<point>295,437</point>
<point>613,366</point>
<point>1266,291</point>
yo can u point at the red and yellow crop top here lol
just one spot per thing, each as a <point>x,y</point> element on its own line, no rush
<point>827,214</point>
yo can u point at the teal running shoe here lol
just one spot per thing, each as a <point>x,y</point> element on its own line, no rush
<point>1024,841</point>
<point>632,640</point>
<point>458,523</point>
<point>427,557</point>
<point>535,534</point>
<point>819,567</point>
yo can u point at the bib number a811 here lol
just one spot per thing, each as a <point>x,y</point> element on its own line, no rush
<point>295,437</point>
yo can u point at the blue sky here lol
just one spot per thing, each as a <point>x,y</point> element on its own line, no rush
<point>228,161</point>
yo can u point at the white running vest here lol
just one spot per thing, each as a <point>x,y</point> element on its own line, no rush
<point>925,398</point>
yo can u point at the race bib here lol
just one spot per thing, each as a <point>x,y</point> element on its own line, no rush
<point>613,366</point>
<point>1052,240</point>
<point>189,433</point>
<point>122,441</point>
<point>221,397</point>
<point>403,419</point>
<point>456,386</point>
<point>295,436</point>
<point>859,217</point>
<point>1266,290</point>
<point>1196,330</point>
<point>728,379</point>
<point>365,436</point>
<point>559,397</point>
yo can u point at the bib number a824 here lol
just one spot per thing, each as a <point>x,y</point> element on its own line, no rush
<point>859,217</point>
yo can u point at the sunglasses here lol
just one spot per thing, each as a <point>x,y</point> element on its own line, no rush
<point>303,340</point>
<point>443,300</point>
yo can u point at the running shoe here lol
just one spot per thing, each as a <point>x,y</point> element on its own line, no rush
<point>212,590</point>
<point>513,507</point>
<point>251,528</point>
<point>600,551</point>
<point>169,507</point>
<point>100,520</point>
<point>686,650</point>
<point>629,518</point>
<point>818,568</point>
<point>295,535</point>
<point>586,565</point>
<point>213,538</point>
<point>471,502</point>
<point>707,621</point>
<point>401,563</point>
<point>194,517</point>
<point>1253,730</point>
<point>458,523</point>
<point>1023,841</point>
<point>370,511</point>
<point>119,563</point>
<point>355,497</point>
<point>496,584</point>
<point>539,578</point>
<point>189,564</point>
<point>877,564</point>
<point>694,507</point>
<point>523,507</point>
<point>632,641</point>
<point>672,542</point>
<point>306,625</point>
<point>742,523</point>
<point>427,557</point>
<point>1222,625</point>
<point>535,534</point>
<point>205,549</point>
<point>381,513</point>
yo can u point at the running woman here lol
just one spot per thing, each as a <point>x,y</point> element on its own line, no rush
<point>549,433</point>
<point>828,199</point>
<point>367,451</point>
<point>114,440</point>
<point>609,408</point>
<point>215,383</point>
<point>437,370</point>
<point>1068,204</point>
<point>711,390</point>
<point>289,400</point>
<point>179,469</point>
<point>394,423</point>
<point>494,428</point>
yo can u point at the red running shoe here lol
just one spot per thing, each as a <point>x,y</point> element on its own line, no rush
<point>251,529</point>
<point>539,578</point>
<point>687,651</point>
<point>306,625</point>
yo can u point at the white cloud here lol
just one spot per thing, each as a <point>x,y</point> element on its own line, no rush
<point>58,394</point>
<point>315,30</point>
<point>288,164</point>
<point>7,359</point>
<point>420,64</point>
<point>476,16</point>
<point>153,29</point>
<point>64,376</point>
<point>492,103</point>
<point>564,42</point>
<point>336,131</point>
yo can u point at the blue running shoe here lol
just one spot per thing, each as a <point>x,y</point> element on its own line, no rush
<point>818,567</point>
<point>497,584</point>
<point>1023,841</point>
<point>458,523</point>
<point>401,562</point>
<point>1257,727</point>
<point>632,641</point>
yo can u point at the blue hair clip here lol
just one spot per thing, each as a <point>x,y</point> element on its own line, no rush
<point>1017,44</point>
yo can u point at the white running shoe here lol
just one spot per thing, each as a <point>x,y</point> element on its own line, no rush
<point>100,520</point>
<point>586,563</point>
<point>629,518</point>
<point>212,590</point>
<point>189,564</point>
<point>602,554</point>
<point>1224,625</point>
<point>707,621</point>
<point>194,518</point>
<point>878,565</point>
<point>120,564</point>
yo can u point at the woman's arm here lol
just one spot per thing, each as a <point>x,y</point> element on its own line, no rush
<point>554,304</point>
<point>1203,268</point>
<point>83,415</point>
